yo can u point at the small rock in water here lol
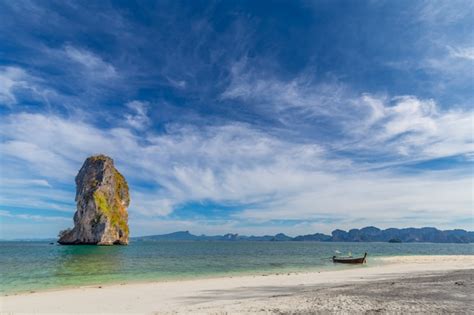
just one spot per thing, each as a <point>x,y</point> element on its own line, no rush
<point>459,283</point>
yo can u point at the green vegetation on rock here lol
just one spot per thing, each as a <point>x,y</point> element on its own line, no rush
<point>121,187</point>
<point>115,212</point>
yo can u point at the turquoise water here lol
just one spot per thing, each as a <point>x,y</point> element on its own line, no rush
<point>27,266</point>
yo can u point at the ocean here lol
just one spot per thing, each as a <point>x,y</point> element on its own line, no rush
<point>32,266</point>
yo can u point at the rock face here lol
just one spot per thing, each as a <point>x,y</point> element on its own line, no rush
<point>102,200</point>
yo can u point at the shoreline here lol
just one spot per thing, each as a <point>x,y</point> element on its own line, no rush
<point>181,295</point>
<point>374,261</point>
<point>214,276</point>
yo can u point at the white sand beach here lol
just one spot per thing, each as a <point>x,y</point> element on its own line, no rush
<point>395,284</point>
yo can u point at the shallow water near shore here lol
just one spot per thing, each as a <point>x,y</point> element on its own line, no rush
<point>31,266</point>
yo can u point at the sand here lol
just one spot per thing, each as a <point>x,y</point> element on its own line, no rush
<point>428,284</point>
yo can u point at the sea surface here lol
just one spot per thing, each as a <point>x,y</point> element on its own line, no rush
<point>32,266</point>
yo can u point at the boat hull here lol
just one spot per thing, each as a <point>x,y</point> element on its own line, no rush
<point>360,260</point>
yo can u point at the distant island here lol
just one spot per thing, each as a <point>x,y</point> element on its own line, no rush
<point>367,234</point>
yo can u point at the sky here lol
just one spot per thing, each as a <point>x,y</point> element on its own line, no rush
<point>250,117</point>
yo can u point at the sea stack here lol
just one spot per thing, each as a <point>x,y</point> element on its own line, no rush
<point>102,199</point>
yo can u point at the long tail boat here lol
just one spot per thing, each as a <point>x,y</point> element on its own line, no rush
<point>349,260</point>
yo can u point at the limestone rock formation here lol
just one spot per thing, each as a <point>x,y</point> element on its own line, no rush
<point>102,199</point>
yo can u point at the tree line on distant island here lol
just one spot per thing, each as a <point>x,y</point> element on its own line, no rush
<point>367,234</point>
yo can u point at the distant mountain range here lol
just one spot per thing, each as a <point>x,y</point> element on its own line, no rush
<point>367,234</point>
<point>186,236</point>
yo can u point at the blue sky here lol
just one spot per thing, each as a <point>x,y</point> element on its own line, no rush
<point>254,117</point>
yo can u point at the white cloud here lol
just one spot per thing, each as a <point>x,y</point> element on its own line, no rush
<point>32,194</point>
<point>15,80</point>
<point>463,53</point>
<point>41,157</point>
<point>4,213</point>
<point>376,196</point>
<point>10,78</point>
<point>152,203</point>
<point>236,164</point>
<point>400,127</point>
<point>453,62</point>
<point>139,119</point>
<point>414,128</point>
<point>179,84</point>
<point>91,62</point>
<point>21,182</point>
<point>283,97</point>
<point>14,225</point>
<point>444,49</point>
<point>444,13</point>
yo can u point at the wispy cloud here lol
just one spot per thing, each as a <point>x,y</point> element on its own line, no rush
<point>139,118</point>
<point>18,191</point>
<point>462,52</point>
<point>18,182</point>
<point>415,128</point>
<point>15,81</point>
<point>400,126</point>
<point>29,217</point>
<point>10,78</point>
<point>180,84</point>
<point>235,164</point>
<point>16,224</point>
<point>444,13</point>
<point>91,62</point>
